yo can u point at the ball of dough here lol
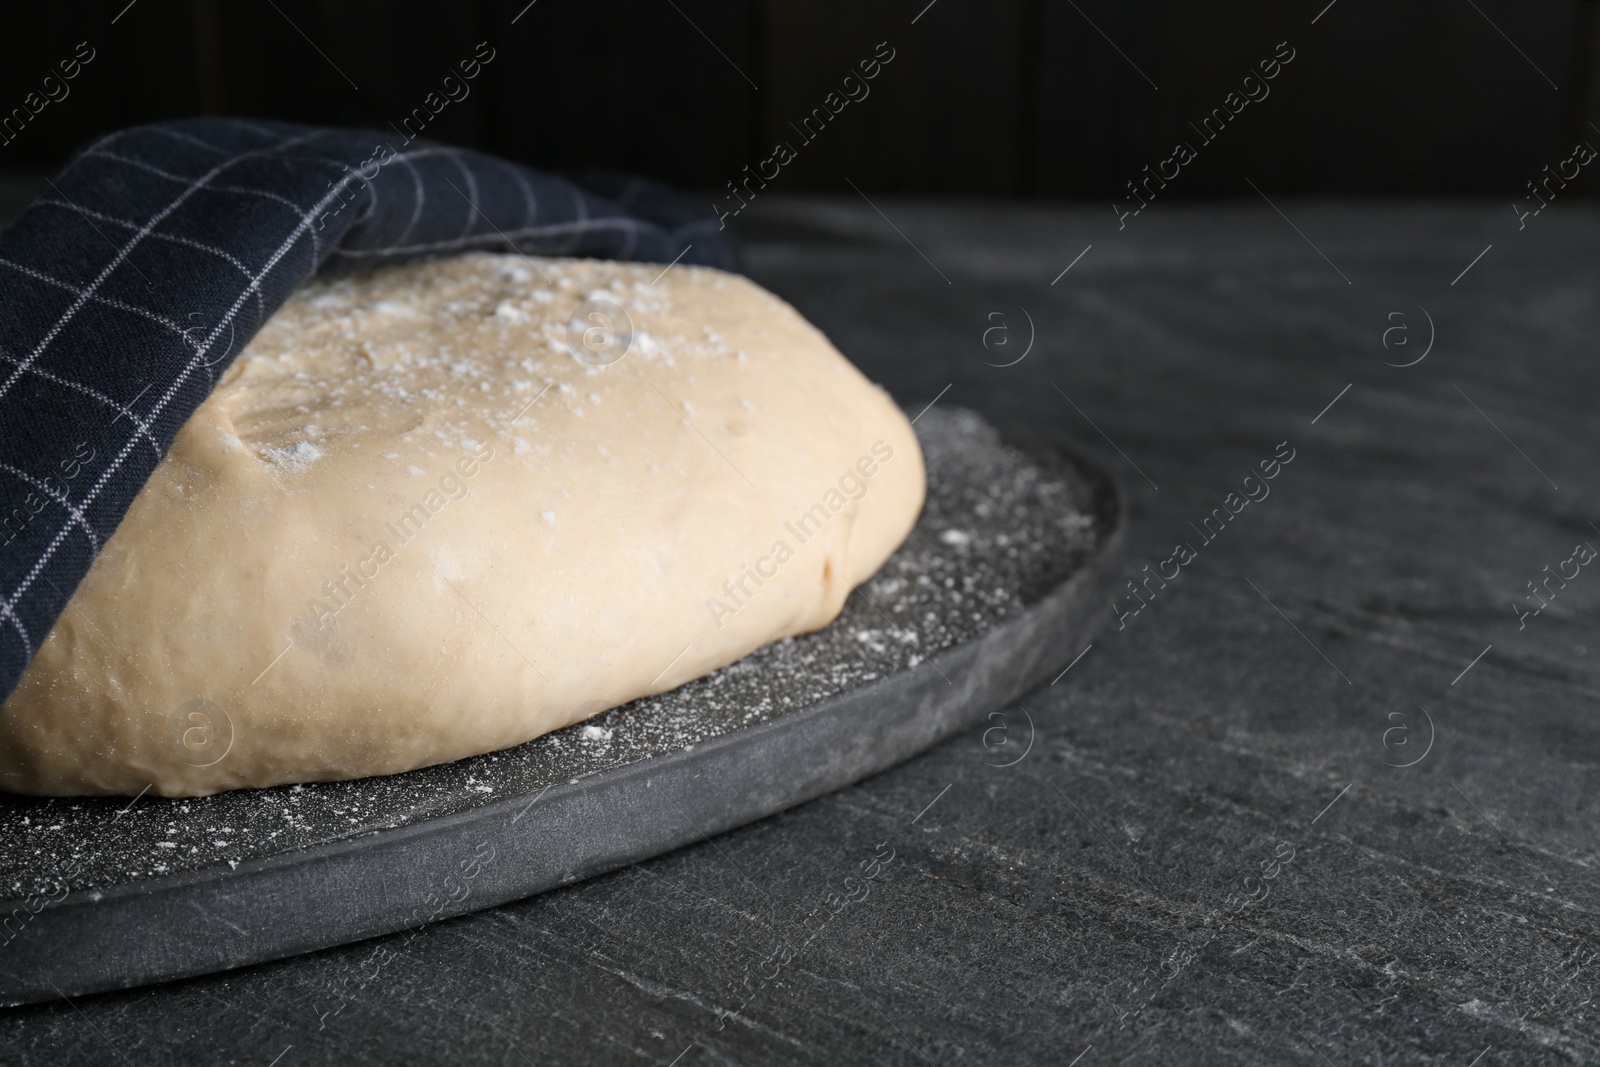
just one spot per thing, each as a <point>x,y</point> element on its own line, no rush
<point>448,507</point>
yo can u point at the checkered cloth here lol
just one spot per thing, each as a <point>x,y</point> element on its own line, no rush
<point>133,281</point>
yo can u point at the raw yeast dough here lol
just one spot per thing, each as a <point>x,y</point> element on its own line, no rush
<point>432,512</point>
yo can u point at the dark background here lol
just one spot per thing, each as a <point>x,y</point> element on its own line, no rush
<point>1024,98</point>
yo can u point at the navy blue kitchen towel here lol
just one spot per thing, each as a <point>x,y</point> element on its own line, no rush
<point>136,277</point>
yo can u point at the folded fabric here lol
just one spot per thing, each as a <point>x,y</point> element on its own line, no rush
<point>129,285</point>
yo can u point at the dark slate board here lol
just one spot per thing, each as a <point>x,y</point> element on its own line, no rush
<point>1444,914</point>
<point>110,893</point>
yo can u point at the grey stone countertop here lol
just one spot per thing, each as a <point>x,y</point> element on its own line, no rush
<point>1328,797</point>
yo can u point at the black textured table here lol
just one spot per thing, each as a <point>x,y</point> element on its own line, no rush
<point>1326,798</point>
